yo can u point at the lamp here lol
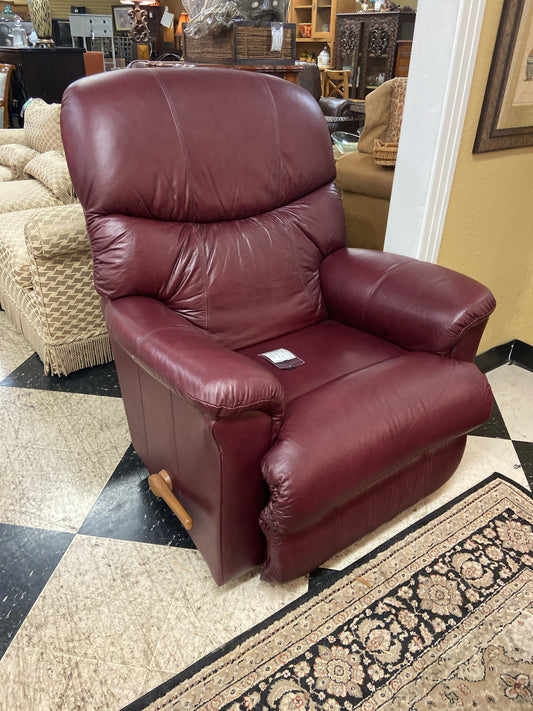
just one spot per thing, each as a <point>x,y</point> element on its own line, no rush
<point>182,20</point>
<point>140,31</point>
<point>179,29</point>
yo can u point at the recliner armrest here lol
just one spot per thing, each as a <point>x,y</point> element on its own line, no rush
<point>416,305</point>
<point>190,362</point>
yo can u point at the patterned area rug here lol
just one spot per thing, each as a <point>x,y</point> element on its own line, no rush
<point>441,617</point>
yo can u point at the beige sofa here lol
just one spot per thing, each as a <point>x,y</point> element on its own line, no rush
<point>47,290</point>
<point>364,178</point>
<point>46,277</point>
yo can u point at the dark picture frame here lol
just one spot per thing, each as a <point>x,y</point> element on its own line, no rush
<point>506,119</point>
<point>121,19</point>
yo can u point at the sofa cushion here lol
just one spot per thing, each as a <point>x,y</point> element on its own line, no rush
<point>5,173</point>
<point>13,135</point>
<point>41,126</point>
<point>15,157</point>
<point>25,194</point>
<point>51,169</point>
<point>14,258</point>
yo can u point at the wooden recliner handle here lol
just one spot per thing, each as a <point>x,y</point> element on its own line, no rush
<point>161,486</point>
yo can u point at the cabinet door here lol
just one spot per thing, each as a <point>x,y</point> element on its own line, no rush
<point>320,14</point>
<point>377,56</point>
<point>348,48</point>
<point>323,19</point>
<point>301,12</point>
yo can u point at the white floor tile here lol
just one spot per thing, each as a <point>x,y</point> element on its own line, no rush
<point>57,450</point>
<point>117,615</point>
<point>513,389</point>
<point>14,350</point>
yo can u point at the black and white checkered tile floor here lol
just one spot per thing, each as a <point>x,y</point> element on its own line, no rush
<point>102,594</point>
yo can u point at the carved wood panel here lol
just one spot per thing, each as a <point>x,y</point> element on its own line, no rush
<point>363,39</point>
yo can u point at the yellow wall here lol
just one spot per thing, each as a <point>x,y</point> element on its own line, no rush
<point>488,232</point>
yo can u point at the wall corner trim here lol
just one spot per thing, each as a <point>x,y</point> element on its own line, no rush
<point>440,77</point>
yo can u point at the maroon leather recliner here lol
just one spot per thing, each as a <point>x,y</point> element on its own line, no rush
<point>218,235</point>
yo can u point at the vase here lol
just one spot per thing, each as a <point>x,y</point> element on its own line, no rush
<point>41,18</point>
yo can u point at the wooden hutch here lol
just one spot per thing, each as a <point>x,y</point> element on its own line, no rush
<point>321,15</point>
<point>374,46</point>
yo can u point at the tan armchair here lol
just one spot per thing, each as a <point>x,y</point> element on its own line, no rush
<point>365,177</point>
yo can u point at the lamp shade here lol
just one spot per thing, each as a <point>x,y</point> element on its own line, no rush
<point>183,18</point>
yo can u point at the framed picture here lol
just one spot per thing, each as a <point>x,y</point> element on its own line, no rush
<point>506,119</point>
<point>121,18</point>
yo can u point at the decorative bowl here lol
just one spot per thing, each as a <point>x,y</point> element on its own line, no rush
<point>345,142</point>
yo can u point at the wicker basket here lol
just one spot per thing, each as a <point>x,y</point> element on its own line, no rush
<point>385,153</point>
<point>245,43</point>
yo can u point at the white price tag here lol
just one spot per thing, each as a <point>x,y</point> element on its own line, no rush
<point>277,36</point>
<point>282,358</point>
<point>278,355</point>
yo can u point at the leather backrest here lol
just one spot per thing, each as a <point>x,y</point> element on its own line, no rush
<point>309,78</point>
<point>209,189</point>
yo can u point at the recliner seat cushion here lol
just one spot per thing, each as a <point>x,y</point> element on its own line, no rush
<point>330,350</point>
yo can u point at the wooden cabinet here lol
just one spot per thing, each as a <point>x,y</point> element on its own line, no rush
<point>367,44</point>
<point>403,57</point>
<point>321,15</point>
<point>41,73</point>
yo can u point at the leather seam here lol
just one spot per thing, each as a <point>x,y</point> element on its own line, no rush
<point>183,146</point>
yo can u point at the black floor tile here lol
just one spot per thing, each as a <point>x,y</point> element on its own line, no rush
<point>99,380</point>
<point>489,360</point>
<point>525,455</point>
<point>522,355</point>
<point>28,557</point>
<point>127,509</point>
<point>494,426</point>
